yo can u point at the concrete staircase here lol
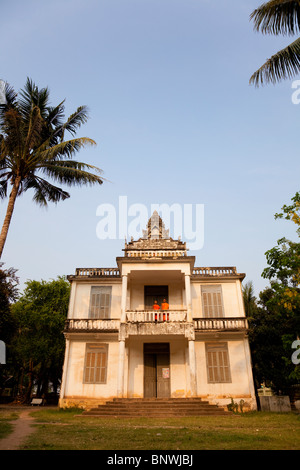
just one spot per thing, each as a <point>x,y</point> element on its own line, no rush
<point>155,408</point>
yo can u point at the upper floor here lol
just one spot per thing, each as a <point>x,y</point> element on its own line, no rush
<point>156,268</point>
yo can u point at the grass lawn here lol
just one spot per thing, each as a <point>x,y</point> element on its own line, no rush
<point>67,430</point>
<point>6,417</point>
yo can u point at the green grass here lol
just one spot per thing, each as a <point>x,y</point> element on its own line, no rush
<point>6,416</point>
<point>67,430</point>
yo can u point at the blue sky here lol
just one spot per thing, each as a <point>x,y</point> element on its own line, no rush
<point>174,118</point>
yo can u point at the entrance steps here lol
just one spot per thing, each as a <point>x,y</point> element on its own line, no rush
<point>155,408</point>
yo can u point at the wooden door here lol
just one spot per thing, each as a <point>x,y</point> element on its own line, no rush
<point>163,375</point>
<point>156,370</point>
<point>150,375</point>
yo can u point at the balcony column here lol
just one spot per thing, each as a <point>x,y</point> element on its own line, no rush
<point>120,391</point>
<point>188,297</point>
<point>192,361</point>
<point>123,298</point>
<point>121,365</point>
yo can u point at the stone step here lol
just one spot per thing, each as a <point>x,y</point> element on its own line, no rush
<point>126,407</point>
<point>157,405</point>
<point>162,414</point>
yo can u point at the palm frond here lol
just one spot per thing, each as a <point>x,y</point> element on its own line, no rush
<point>284,64</point>
<point>12,128</point>
<point>3,189</point>
<point>73,123</point>
<point>64,149</point>
<point>72,173</point>
<point>44,191</point>
<point>277,17</point>
<point>31,96</point>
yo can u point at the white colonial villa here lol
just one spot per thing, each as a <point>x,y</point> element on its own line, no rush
<point>119,346</point>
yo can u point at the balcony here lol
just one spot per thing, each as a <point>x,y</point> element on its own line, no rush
<point>91,324</point>
<point>148,317</point>
<point>221,324</point>
<point>152,316</point>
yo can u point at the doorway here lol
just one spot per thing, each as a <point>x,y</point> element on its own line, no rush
<point>158,293</point>
<point>156,370</point>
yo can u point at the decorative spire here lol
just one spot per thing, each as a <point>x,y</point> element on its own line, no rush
<point>155,242</point>
<point>156,228</point>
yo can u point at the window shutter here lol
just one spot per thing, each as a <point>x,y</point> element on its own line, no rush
<point>95,368</point>
<point>100,302</point>
<point>217,362</point>
<point>212,301</point>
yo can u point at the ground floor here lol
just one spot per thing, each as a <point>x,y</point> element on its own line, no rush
<point>157,367</point>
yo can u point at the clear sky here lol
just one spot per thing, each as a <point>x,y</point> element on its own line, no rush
<point>174,118</point>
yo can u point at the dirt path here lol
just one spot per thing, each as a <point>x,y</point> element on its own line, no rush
<point>22,428</point>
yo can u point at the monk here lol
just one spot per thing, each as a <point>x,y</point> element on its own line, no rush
<point>155,307</point>
<point>165,306</point>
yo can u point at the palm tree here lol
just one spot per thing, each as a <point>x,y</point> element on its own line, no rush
<point>33,146</point>
<point>278,17</point>
<point>249,298</point>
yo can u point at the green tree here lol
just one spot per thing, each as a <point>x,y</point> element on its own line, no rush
<point>249,298</point>
<point>33,146</point>
<point>283,272</point>
<point>269,328</point>
<point>8,294</point>
<point>278,17</point>
<point>38,347</point>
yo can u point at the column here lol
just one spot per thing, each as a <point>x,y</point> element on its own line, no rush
<point>121,366</point>
<point>123,298</point>
<point>65,371</point>
<point>192,361</point>
<point>188,297</point>
<point>120,391</point>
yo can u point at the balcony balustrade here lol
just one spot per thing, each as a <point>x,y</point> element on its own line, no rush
<point>91,324</point>
<point>144,316</point>
<point>150,316</point>
<point>221,323</point>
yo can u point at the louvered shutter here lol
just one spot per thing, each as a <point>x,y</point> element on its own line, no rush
<point>95,368</point>
<point>217,362</point>
<point>100,302</point>
<point>212,301</point>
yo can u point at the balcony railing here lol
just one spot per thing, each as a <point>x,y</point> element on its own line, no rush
<point>224,323</point>
<point>143,316</point>
<point>99,272</point>
<point>215,271</point>
<point>92,324</point>
<point>150,316</point>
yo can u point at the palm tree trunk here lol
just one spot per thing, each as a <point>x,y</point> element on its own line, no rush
<point>9,212</point>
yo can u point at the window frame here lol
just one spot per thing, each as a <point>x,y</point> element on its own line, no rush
<point>216,369</point>
<point>97,348</point>
<point>101,308</point>
<point>216,307</point>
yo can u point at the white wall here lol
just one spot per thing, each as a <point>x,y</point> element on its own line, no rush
<point>231,294</point>
<point>75,387</point>
<point>80,299</point>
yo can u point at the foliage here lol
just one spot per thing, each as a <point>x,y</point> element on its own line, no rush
<point>38,347</point>
<point>278,17</point>
<point>275,319</point>
<point>8,294</point>
<point>34,146</point>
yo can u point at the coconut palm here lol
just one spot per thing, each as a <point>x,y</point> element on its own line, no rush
<point>249,298</point>
<point>278,17</point>
<point>33,149</point>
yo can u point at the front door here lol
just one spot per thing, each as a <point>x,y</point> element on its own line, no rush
<point>156,370</point>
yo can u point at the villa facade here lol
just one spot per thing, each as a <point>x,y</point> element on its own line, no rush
<point>117,345</point>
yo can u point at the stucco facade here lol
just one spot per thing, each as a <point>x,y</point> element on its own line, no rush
<point>118,346</point>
